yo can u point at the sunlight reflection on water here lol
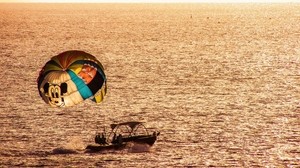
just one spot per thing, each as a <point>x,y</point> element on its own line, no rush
<point>221,88</point>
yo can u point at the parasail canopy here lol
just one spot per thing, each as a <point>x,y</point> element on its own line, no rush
<point>71,77</point>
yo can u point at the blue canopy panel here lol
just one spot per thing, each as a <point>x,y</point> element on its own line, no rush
<point>82,88</point>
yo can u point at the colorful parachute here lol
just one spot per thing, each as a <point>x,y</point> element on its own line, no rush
<point>71,77</point>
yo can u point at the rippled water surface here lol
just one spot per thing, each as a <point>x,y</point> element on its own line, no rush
<point>220,82</point>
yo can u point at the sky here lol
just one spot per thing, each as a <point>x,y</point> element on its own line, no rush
<point>154,1</point>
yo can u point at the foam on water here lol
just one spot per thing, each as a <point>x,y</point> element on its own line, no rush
<point>137,148</point>
<point>62,150</point>
<point>74,145</point>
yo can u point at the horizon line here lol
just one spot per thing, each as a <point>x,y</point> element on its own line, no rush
<point>149,2</point>
<point>156,1</point>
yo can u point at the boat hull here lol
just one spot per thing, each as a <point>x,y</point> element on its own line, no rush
<point>144,139</point>
<point>99,148</point>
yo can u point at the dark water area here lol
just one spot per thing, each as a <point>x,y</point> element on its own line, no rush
<point>220,82</point>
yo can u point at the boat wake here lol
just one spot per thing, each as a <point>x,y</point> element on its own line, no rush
<point>62,150</point>
<point>137,147</point>
<point>75,145</point>
<point>130,147</point>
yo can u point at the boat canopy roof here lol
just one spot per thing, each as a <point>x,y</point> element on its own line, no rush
<point>131,124</point>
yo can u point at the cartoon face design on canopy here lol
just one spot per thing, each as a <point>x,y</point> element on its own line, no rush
<point>55,93</point>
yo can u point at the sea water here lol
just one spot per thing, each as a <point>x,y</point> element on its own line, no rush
<point>220,82</point>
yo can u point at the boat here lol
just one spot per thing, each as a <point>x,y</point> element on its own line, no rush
<point>121,134</point>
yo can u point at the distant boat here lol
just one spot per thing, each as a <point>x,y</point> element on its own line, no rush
<point>121,134</point>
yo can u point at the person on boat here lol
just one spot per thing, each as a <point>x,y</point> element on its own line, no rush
<point>103,139</point>
<point>97,137</point>
<point>100,139</point>
<point>120,139</point>
<point>114,137</point>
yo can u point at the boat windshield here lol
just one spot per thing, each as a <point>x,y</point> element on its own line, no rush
<point>129,128</point>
